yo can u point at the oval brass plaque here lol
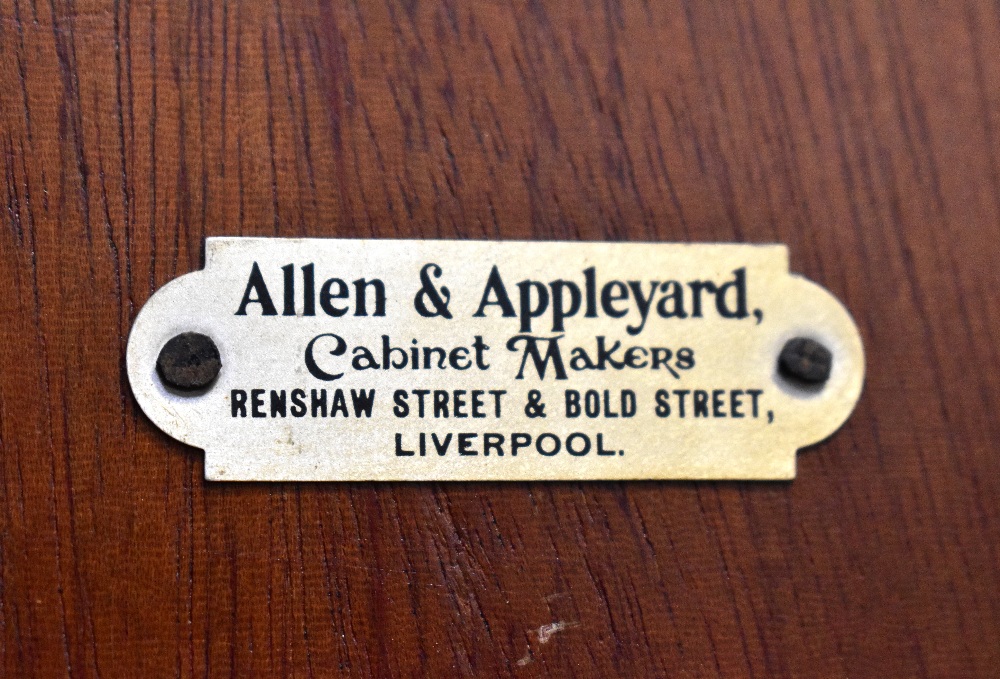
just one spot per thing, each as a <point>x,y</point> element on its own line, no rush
<point>314,359</point>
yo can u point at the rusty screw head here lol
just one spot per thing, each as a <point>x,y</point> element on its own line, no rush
<point>805,360</point>
<point>189,361</point>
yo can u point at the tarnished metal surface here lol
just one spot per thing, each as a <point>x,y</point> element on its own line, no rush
<point>448,360</point>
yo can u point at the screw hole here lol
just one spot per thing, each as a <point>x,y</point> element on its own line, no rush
<point>189,363</point>
<point>805,364</point>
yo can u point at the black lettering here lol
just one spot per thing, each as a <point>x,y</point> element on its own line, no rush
<point>400,452</point>
<point>628,403</point>
<point>739,287</point>
<point>459,354</point>
<point>387,352</point>
<point>584,447</point>
<point>601,450</point>
<point>608,412</point>
<point>736,403</point>
<point>478,403</point>
<point>465,444</point>
<point>363,359</point>
<point>604,355</point>
<point>572,403</point>
<point>559,310</point>
<point>441,354</point>
<point>298,408</point>
<point>257,403</point>
<point>459,403</point>
<point>480,347</point>
<point>696,288</point>
<point>289,273</point>
<point>614,291</point>
<point>632,357</point>
<point>339,404</point>
<point>420,393</point>
<point>681,395</point>
<point>540,363</point>
<point>441,446</point>
<point>700,403</point>
<point>580,359</point>
<point>318,401</point>
<point>643,303</point>
<point>685,358</point>
<point>325,295</point>
<point>363,400</point>
<point>529,311</point>
<point>556,445</point>
<point>440,403</point>
<point>673,292</point>
<point>496,394</point>
<point>278,399</point>
<point>493,442</point>
<point>308,290</point>
<point>256,284</point>
<point>360,306</point>
<point>661,356</point>
<point>662,403</point>
<point>590,284</point>
<point>238,401</point>
<point>402,408</point>
<point>494,285</point>
<point>718,405</point>
<point>338,350</point>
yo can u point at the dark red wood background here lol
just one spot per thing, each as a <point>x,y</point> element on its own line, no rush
<point>863,134</point>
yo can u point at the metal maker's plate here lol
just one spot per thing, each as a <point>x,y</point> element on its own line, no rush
<point>421,360</point>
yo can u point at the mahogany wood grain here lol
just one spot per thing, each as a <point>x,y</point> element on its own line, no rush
<point>863,134</point>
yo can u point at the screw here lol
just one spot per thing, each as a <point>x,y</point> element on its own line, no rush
<point>805,360</point>
<point>189,361</point>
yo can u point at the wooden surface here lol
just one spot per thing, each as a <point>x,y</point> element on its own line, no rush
<point>863,134</point>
